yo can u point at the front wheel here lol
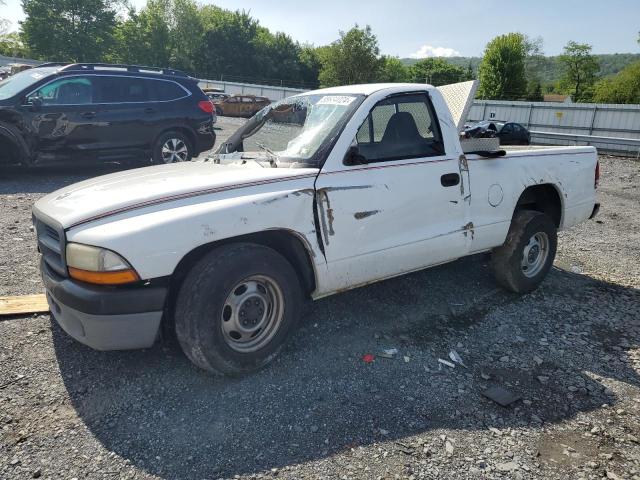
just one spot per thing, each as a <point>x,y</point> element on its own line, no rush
<point>236,308</point>
<point>524,260</point>
<point>172,147</point>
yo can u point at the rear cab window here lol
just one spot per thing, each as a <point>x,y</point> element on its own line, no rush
<point>400,127</point>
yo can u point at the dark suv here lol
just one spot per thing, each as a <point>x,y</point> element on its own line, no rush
<point>80,113</point>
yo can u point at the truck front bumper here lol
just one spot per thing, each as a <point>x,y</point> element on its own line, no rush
<point>105,318</point>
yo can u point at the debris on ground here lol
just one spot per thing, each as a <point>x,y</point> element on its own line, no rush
<point>368,358</point>
<point>23,304</point>
<point>501,396</point>
<point>453,355</point>
<point>389,353</point>
<point>447,363</point>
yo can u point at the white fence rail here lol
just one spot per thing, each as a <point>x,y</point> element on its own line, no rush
<point>26,61</point>
<point>614,128</point>
<point>234,88</point>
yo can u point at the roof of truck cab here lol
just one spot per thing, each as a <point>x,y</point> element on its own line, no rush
<point>369,88</point>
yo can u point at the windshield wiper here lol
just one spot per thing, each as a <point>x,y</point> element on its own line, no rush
<point>273,160</point>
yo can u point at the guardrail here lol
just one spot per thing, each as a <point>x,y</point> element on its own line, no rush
<point>603,143</point>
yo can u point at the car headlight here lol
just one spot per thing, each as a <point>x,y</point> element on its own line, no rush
<point>98,265</point>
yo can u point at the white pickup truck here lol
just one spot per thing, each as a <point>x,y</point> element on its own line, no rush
<point>319,193</point>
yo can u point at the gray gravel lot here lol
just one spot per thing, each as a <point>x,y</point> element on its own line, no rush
<point>571,350</point>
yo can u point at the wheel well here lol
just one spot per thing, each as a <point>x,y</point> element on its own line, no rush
<point>286,243</point>
<point>542,198</point>
<point>10,152</point>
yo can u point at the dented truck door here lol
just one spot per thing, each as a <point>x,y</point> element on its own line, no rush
<point>395,203</point>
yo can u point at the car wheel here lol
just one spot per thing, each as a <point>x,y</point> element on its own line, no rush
<point>172,147</point>
<point>524,260</point>
<point>236,308</point>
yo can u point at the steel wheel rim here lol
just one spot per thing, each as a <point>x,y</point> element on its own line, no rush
<point>535,254</point>
<point>174,150</point>
<point>252,313</point>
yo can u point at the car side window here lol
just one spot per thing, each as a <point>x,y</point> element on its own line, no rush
<point>231,100</point>
<point>66,91</point>
<point>508,128</point>
<point>166,91</point>
<point>400,127</point>
<point>115,89</point>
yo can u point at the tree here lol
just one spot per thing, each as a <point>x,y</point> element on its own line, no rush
<point>623,88</point>
<point>534,91</point>
<point>12,46</point>
<point>144,38</point>
<point>69,30</point>
<point>470,75</point>
<point>580,69</point>
<point>4,23</point>
<point>229,44</point>
<point>354,58</point>
<point>436,71</point>
<point>393,70</point>
<point>309,65</point>
<point>502,69</point>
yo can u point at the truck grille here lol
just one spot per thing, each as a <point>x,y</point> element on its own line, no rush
<point>51,244</point>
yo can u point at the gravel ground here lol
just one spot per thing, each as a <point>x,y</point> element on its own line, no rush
<point>571,350</point>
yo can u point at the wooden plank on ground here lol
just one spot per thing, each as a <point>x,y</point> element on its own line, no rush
<point>23,304</point>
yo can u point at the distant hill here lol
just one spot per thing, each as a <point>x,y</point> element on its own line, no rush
<point>549,69</point>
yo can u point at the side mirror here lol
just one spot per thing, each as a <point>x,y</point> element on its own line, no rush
<point>354,157</point>
<point>35,102</point>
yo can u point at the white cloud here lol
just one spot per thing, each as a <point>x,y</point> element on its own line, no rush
<point>426,51</point>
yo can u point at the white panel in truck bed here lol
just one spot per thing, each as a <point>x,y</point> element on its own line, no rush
<point>459,98</point>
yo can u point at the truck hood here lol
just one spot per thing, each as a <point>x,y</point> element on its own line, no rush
<point>111,194</point>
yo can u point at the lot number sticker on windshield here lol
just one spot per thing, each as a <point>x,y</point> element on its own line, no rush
<point>336,100</point>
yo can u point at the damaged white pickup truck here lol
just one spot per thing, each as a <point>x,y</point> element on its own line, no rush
<point>319,193</point>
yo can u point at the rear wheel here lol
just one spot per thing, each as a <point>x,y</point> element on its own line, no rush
<point>236,308</point>
<point>172,147</point>
<point>524,260</point>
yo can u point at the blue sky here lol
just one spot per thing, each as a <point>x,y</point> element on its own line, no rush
<point>427,28</point>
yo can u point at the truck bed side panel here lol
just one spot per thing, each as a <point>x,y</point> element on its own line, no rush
<point>498,183</point>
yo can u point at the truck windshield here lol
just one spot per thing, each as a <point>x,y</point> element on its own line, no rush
<point>295,130</point>
<point>20,81</point>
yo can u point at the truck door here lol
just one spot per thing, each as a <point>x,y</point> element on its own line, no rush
<point>401,208</point>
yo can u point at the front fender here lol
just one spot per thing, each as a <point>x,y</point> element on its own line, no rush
<point>154,240</point>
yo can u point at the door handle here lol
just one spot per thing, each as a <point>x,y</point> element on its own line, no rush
<point>149,110</point>
<point>450,179</point>
<point>88,114</point>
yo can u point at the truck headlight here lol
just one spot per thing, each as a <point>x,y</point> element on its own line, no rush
<point>98,265</point>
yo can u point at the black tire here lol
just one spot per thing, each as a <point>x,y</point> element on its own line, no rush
<point>181,141</point>
<point>508,261</point>
<point>202,304</point>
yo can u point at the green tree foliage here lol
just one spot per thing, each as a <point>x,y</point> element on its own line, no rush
<point>393,71</point>
<point>310,64</point>
<point>534,91</point>
<point>69,30</point>
<point>436,71</point>
<point>11,46</point>
<point>580,72</point>
<point>354,58</point>
<point>144,38</point>
<point>502,70</point>
<point>229,44</point>
<point>623,88</point>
